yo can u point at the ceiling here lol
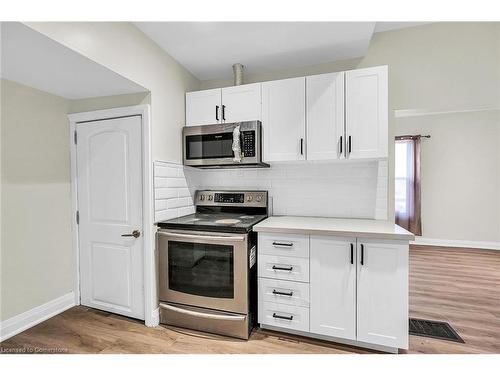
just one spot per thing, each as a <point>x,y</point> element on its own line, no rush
<point>34,60</point>
<point>208,49</point>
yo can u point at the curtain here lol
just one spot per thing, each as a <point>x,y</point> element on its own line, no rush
<point>407,189</point>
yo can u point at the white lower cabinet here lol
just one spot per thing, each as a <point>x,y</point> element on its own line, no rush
<point>348,288</point>
<point>333,286</point>
<point>382,300</point>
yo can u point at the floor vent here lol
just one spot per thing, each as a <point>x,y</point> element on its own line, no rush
<point>433,329</point>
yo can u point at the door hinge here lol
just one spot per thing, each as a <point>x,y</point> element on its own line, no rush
<point>77,217</point>
<point>75,137</point>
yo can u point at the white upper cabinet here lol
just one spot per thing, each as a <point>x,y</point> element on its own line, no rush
<point>333,286</point>
<point>241,103</point>
<point>229,104</point>
<point>366,106</point>
<point>382,286</point>
<point>325,116</point>
<point>203,107</point>
<point>284,120</point>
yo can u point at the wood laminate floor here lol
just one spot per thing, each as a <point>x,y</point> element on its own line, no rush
<point>460,286</point>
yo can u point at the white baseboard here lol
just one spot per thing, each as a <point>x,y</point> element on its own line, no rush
<point>36,315</point>
<point>456,243</point>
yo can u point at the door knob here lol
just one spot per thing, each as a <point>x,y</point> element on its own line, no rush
<point>135,234</point>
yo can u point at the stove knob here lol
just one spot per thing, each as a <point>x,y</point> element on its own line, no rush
<point>210,197</point>
<point>259,198</point>
<point>249,198</point>
<point>202,197</point>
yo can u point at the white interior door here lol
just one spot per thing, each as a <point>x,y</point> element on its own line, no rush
<point>109,156</point>
<point>333,286</point>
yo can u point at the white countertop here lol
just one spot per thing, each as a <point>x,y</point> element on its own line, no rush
<point>336,227</point>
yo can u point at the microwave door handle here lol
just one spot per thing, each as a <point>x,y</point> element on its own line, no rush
<point>202,237</point>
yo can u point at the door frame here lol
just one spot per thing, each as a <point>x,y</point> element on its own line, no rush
<point>151,312</point>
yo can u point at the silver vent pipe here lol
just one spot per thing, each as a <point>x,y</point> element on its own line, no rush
<point>238,74</point>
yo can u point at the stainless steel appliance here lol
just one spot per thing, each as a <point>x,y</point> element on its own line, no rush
<point>211,146</point>
<point>207,263</point>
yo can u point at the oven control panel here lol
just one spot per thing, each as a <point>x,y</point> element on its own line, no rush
<point>231,198</point>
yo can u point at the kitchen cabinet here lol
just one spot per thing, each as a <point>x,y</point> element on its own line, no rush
<point>284,119</point>
<point>356,289</point>
<point>382,288</point>
<point>241,103</point>
<point>333,286</point>
<point>325,116</point>
<point>203,107</point>
<point>366,117</point>
<point>226,105</point>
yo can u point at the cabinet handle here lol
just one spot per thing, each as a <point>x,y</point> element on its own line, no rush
<point>223,112</point>
<point>340,145</point>
<point>302,146</point>
<point>289,294</point>
<point>282,268</point>
<point>217,112</point>
<point>290,244</point>
<point>349,144</point>
<point>352,253</point>
<point>282,317</point>
<point>362,254</point>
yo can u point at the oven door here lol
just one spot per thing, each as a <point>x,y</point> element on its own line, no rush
<point>204,269</point>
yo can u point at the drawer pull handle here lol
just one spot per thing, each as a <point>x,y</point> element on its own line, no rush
<point>282,268</point>
<point>290,244</point>
<point>282,317</point>
<point>289,294</point>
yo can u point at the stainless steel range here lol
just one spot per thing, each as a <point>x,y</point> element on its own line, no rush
<point>208,277</point>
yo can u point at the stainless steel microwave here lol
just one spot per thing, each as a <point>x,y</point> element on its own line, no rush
<point>210,146</point>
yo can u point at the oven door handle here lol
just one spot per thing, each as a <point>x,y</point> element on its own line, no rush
<point>203,237</point>
<point>203,315</point>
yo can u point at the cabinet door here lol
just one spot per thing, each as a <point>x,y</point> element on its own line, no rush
<point>203,107</point>
<point>241,103</point>
<point>283,119</point>
<point>333,286</point>
<point>383,293</point>
<point>367,112</point>
<point>325,116</point>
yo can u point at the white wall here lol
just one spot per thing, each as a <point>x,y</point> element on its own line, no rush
<point>36,249</point>
<point>440,66</point>
<point>124,49</point>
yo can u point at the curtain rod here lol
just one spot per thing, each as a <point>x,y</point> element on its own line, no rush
<point>413,136</point>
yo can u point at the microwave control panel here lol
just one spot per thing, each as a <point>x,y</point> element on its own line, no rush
<point>248,143</point>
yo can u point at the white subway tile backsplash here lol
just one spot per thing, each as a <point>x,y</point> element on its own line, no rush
<point>350,189</point>
<point>172,194</point>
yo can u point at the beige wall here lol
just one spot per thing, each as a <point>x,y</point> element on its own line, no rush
<point>440,66</point>
<point>123,48</point>
<point>36,253</point>
<point>107,102</point>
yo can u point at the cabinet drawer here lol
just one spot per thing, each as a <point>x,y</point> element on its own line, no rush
<point>286,316</point>
<point>285,292</point>
<point>283,268</point>
<point>290,245</point>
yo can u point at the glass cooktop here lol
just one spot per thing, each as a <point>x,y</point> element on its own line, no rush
<point>214,222</point>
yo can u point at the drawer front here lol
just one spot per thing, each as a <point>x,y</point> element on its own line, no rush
<point>283,268</point>
<point>285,292</point>
<point>285,316</point>
<point>289,245</point>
